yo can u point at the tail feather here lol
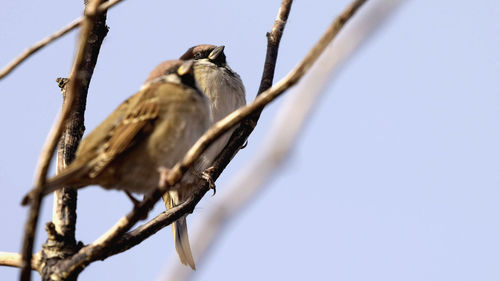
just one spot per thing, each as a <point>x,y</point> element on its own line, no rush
<point>181,240</point>
<point>180,232</point>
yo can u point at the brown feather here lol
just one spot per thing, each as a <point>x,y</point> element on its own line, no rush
<point>126,133</point>
<point>202,48</point>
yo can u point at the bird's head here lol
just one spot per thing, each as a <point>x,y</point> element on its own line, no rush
<point>174,71</point>
<point>206,52</point>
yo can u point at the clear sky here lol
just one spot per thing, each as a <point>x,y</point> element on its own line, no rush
<point>396,177</point>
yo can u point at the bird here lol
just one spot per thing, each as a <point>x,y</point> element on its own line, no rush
<point>152,129</point>
<point>222,85</point>
<point>226,93</point>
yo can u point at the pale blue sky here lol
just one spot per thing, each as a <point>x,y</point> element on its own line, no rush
<point>395,178</point>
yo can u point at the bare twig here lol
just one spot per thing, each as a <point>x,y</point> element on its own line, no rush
<point>104,244</point>
<point>51,38</point>
<point>283,133</point>
<point>74,86</point>
<point>273,43</point>
<point>14,260</point>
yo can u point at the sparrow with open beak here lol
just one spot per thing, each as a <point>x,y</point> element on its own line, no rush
<point>153,128</point>
<point>226,93</point>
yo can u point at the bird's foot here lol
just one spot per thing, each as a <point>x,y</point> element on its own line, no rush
<point>206,176</point>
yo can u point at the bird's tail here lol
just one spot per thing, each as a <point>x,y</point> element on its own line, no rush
<point>180,231</point>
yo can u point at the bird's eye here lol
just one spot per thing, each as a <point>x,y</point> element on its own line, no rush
<point>197,56</point>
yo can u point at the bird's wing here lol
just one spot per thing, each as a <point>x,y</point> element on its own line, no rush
<point>126,125</point>
<point>124,134</point>
<point>117,133</point>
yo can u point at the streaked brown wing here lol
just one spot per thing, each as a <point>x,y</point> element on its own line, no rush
<point>126,133</point>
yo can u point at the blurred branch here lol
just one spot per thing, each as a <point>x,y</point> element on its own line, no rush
<point>284,132</point>
<point>51,38</point>
<point>14,260</point>
<point>74,91</point>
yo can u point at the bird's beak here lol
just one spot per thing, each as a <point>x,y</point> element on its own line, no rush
<point>185,68</point>
<point>216,52</point>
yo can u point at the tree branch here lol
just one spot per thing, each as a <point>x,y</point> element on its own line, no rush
<point>75,84</point>
<point>61,242</point>
<point>51,38</point>
<point>14,260</point>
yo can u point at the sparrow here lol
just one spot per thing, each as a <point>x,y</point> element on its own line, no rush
<point>221,84</point>
<point>152,129</point>
<point>226,93</point>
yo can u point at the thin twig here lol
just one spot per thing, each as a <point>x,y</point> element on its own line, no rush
<point>51,38</point>
<point>273,43</point>
<point>283,134</point>
<point>14,260</point>
<point>74,85</point>
<point>106,241</point>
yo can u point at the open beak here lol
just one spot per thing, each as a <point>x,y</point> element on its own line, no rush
<point>216,52</point>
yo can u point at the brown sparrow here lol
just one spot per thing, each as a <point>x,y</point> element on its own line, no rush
<point>153,128</point>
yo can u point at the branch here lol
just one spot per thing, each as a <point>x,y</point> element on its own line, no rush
<point>74,89</point>
<point>284,132</point>
<point>273,43</point>
<point>61,242</point>
<point>64,215</point>
<point>51,38</point>
<point>14,260</point>
<point>106,242</point>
